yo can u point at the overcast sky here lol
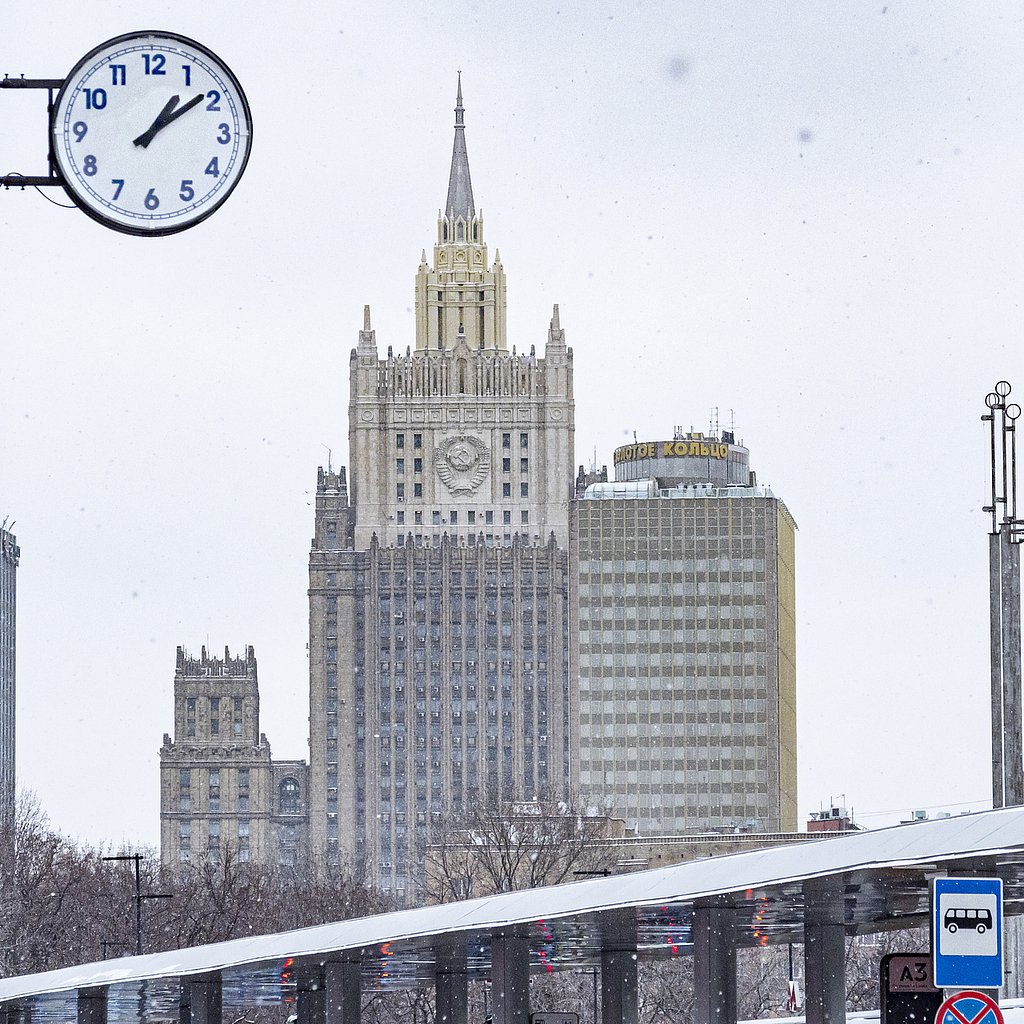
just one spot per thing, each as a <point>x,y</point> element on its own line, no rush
<point>806,214</point>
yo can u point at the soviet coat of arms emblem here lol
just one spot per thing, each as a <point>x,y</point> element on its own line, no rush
<point>461,463</point>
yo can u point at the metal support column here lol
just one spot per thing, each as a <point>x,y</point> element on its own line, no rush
<point>618,968</point>
<point>714,963</point>
<point>311,1002</point>
<point>451,989</point>
<point>201,999</point>
<point>824,952</point>
<point>995,612</point>
<point>510,976</point>
<point>92,1006</point>
<point>343,984</point>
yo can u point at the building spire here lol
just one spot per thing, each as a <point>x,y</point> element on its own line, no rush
<point>460,188</point>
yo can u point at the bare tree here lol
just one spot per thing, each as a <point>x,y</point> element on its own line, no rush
<point>510,845</point>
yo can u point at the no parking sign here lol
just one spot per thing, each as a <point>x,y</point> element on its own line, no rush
<point>969,1008</point>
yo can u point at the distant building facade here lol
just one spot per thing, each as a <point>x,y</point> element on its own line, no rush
<point>439,579</point>
<point>684,572</point>
<point>10,555</point>
<point>220,790</point>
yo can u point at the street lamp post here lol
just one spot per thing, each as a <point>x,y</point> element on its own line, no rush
<point>140,896</point>
<point>1004,599</point>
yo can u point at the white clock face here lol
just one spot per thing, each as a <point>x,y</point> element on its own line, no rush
<point>151,132</point>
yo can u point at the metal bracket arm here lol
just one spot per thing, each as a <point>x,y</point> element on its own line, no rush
<point>54,178</point>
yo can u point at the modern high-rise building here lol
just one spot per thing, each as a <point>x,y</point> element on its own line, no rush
<point>439,580</point>
<point>221,793</point>
<point>10,555</point>
<point>684,570</point>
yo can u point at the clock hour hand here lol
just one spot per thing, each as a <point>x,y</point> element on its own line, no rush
<point>170,113</point>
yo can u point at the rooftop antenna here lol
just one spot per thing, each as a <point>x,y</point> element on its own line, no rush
<point>714,421</point>
<point>330,468</point>
<point>634,437</point>
<point>732,422</point>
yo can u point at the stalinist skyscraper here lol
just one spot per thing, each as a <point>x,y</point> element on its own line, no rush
<point>439,589</point>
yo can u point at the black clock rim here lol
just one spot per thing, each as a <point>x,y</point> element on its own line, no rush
<point>105,219</point>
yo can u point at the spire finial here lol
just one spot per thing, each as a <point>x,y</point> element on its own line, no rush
<point>555,325</point>
<point>460,188</point>
<point>366,318</point>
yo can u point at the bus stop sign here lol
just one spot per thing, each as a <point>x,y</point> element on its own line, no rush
<point>967,933</point>
<point>969,1008</point>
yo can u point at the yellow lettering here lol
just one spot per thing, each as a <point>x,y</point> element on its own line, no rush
<point>694,448</point>
<point>704,449</point>
<point>667,448</point>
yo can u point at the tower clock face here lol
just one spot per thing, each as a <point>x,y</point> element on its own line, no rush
<point>151,132</point>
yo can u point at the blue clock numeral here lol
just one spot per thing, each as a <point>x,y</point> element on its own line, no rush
<point>119,182</point>
<point>118,74</point>
<point>214,97</point>
<point>152,202</point>
<point>154,63</point>
<point>213,168</point>
<point>80,129</point>
<point>225,134</point>
<point>187,68</point>
<point>89,165</point>
<point>187,193</point>
<point>95,99</point>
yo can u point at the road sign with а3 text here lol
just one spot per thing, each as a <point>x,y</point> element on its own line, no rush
<point>967,933</point>
<point>969,1008</point>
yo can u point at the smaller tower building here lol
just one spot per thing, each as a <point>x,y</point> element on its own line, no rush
<point>221,794</point>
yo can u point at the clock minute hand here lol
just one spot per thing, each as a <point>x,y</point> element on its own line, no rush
<point>166,116</point>
<point>158,122</point>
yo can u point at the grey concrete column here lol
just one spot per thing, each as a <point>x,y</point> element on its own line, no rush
<point>714,962</point>
<point>618,968</point>
<point>201,999</point>
<point>343,984</point>
<point>311,1002</point>
<point>92,1006</point>
<point>510,976</point>
<point>451,991</point>
<point>824,952</point>
<point>1013,773</point>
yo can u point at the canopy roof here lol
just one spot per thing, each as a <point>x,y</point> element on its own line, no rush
<point>884,875</point>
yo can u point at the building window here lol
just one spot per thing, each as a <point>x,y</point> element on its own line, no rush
<point>401,518</point>
<point>214,716</point>
<point>506,465</point>
<point>243,802</point>
<point>399,440</point>
<point>417,465</point>
<point>400,492</point>
<point>525,517</point>
<point>506,490</point>
<point>524,490</point>
<point>506,518</point>
<point>489,517</point>
<point>288,796</point>
<point>453,517</point>
<point>399,466</point>
<point>190,716</point>
<point>185,777</point>
<point>437,517</point>
<point>417,440</point>
<point>214,794</point>
<point>524,465</point>
<point>506,440</point>
<point>472,518</point>
<point>524,440</point>
<point>418,516</point>
<point>417,490</point>
<point>243,778</point>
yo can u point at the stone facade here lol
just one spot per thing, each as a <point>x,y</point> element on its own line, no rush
<point>220,790</point>
<point>10,555</point>
<point>687,649</point>
<point>439,582</point>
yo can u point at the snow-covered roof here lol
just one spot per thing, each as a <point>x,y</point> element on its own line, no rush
<point>885,874</point>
